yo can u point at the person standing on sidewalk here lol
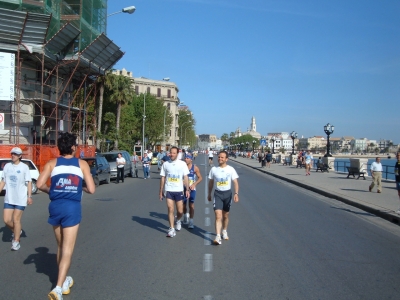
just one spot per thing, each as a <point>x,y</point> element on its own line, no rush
<point>376,173</point>
<point>174,178</point>
<point>195,178</point>
<point>223,175</point>
<point>397,176</point>
<point>120,167</point>
<point>17,179</point>
<point>309,160</point>
<point>268,158</point>
<point>67,174</point>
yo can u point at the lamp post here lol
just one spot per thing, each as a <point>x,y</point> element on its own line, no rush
<point>129,10</point>
<point>328,128</point>
<point>273,139</point>
<point>293,135</point>
<point>254,142</point>
<point>144,120</point>
<point>181,132</point>
<point>241,146</point>
<point>165,114</point>
<point>247,146</point>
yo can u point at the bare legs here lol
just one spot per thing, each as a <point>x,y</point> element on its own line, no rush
<point>179,211</point>
<point>221,221</point>
<point>12,219</point>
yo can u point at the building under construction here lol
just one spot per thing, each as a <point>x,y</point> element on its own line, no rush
<point>51,53</point>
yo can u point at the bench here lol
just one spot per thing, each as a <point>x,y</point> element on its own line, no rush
<point>300,164</point>
<point>322,167</point>
<point>355,171</point>
<point>286,161</point>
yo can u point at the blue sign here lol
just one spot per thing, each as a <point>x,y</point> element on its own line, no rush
<point>263,143</point>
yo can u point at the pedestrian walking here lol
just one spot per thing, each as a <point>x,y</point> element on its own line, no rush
<point>194,178</point>
<point>376,173</point>
<point>18,182</point>
<point>146,166</point>
<point>120,167</point>
<point>174,178</point>
<point>223,176</point>
<point>66,175</point>
<point>397,176</point>
<point>135,162</point>
<point>268,158</point>
<point>309,160</point>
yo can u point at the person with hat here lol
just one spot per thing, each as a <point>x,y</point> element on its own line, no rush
<point>66,174</point>
<point>18,182</point>
<point>195,178</point>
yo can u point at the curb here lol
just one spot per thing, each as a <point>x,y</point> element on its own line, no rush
<point>389,216</point>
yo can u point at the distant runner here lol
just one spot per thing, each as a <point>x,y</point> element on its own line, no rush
<point>210,157</point>
<point>194,179</point>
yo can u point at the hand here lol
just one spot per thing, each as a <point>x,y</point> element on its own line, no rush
<point>29,200</point>
<point>192,187</point>
<point>209,197</point>
<point>236,198</point>
<point>187,194</point>
<point>161,196</point>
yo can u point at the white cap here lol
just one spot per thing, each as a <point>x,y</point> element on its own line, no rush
<point>16,150</point>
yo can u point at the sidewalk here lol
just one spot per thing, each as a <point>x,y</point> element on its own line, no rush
<point>335,185</point>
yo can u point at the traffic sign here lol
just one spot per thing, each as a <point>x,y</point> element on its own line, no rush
<point>263,143</point>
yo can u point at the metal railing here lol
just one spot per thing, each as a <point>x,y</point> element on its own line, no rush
<point>340,166</point>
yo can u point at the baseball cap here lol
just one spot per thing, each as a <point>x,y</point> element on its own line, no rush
<point>16,150</point>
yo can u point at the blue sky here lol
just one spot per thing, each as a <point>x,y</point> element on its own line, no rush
<point>294,65</point>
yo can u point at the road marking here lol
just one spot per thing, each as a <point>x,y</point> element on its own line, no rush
<point>207,210</point>
<point>207,263</point>
<point>208,297</point>
<point>207,221</point>
<point>207,239</point>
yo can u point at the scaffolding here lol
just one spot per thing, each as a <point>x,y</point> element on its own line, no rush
<point>54,76</point>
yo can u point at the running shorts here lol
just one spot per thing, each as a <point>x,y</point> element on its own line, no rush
<point>66,213</point>
<point>13,206</point>
<point>222,200</point>
<point>176,196</point>
<point>192,197</point>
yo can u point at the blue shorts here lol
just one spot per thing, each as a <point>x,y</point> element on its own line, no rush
<point>66,213</point>
<point>192,197</point>
<point>398,186</point>
<point>12,206</point>
<point>177,196</point>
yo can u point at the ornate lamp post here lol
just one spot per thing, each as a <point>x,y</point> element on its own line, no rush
<point>293,135</point>
<point>328,128</point>
<point>273,139</point>
<point>254,142</point>
<point>247,146</point>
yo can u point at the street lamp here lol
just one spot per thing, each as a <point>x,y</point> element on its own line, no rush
<point>273,139</point>
<point>129,10</point>
<point>144,119</point>
<point>254,142</point>
<point>241,146</point>
<point>293,135</point>
<point>247,146</point>
<point>181,132</point>
<point>328,128</point>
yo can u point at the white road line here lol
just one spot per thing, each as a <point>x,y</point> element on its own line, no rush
<point>208,297</point>
<point>207,221</point>
<point>208,263</point>
<point>207,239</point>
<point>207,210</point>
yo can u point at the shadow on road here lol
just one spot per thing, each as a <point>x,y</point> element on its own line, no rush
<point>7,234</point>
<point>45,262</point>
<point>354,190</point>
<point>151,223</point>
<point>200,233</point>
<point>354,212</point>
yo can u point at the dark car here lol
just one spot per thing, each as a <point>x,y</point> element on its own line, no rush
<point>100,169</point>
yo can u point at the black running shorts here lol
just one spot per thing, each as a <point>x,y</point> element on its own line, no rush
<point>222,200</point>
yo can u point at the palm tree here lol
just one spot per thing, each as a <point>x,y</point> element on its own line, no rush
<point>121,93</point>
<point>101,81</point>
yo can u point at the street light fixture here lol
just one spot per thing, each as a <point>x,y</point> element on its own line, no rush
<point>254,142</point>
<point>247,146</point>
<point>241,146</point>
<point>181,132</point>
<point>328,128</point>
<point>293,135</point>
<point>273,139</point>
<point>130,10</point>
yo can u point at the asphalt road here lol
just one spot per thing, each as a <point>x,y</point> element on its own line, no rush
<point>285,243</point>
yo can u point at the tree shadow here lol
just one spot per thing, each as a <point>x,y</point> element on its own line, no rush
<point>45,262</point>
<point>7,237</point>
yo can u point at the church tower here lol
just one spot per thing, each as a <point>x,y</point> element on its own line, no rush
<point>253,124</point>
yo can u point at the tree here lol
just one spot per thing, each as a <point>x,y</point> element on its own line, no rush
<point>224,137</point>
<point>101,82</point>
<point>282,150</point>
<point>185,120</point>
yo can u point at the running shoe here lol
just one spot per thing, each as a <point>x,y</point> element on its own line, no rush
<point>225,235</point>
<point>12,234</point>
<point>178,225</point>
<point>55,294</point>
<point>186,219</point>
<point>191,226</point>
<point>15,245</point>
<point>217,240</point>
<point>69,282</point>
<point>171,232</point>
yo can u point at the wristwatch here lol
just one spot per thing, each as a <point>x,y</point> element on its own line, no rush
<point>237,194</point>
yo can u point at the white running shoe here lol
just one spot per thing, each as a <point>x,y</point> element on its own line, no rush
<point>398,212</point>
<point>15,245</point>
<point>69,282</point>
<point>55,294</point>
<point>171,232</point>
<point>217,240</point>
<point>191,226</point>
<point>225,235</point>
<point>178,225</point>
<point>12,234</point>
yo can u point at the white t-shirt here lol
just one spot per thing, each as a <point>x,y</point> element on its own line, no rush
<point>173,171</point>
<point>120,160</point>
<point>223,177</point>
<point>150,155</point>
<point>179,157</point>
<point>376,167</point>
<point>16,178</point>
<point>210,154</point>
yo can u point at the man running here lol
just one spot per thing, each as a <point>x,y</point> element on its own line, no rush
<point>210,157</point>
<point>67,174</point>
<point>194,179</point>
<point>18,182</point>
<point>174,178</point>
<point>223,175</point>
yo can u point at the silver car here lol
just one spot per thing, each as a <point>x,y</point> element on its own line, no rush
<point>111,157</point>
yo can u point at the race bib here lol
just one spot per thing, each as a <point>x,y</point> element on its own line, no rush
<point>222,183</point>
<point>175,180</point>
<point>191,181</point>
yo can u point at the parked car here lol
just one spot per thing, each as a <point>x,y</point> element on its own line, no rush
<point>154,160</point>
<point>111,157</point>
<point>100,169</point>
<point>32,169</point>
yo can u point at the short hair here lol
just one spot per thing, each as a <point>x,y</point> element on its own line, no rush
<point>174,147</point>
<point>224,151</point>
<point>65,143</point>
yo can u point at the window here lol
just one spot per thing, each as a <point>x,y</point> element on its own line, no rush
<point>169,93</point>
<point>148,90</point>
<point>158,92</point>
<point>137,90</point>
<point>169,106</point>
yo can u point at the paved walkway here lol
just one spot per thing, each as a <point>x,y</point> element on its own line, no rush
<point>336,185</point>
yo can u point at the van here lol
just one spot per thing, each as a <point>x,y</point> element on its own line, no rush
<point>111,157</point>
